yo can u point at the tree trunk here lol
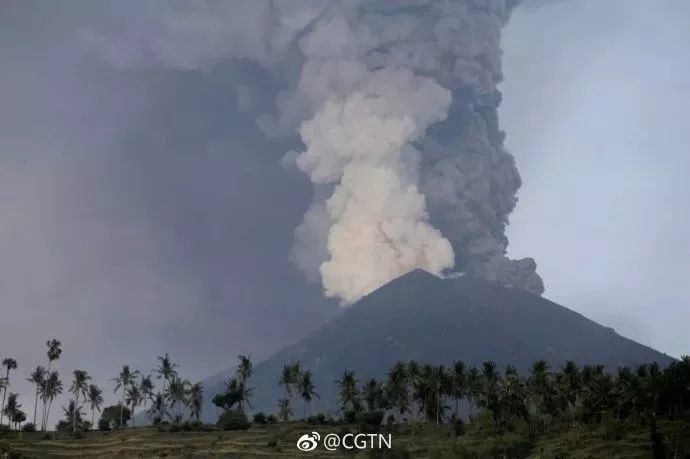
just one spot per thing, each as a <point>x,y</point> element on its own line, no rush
<point>122,406</point>
<point>44,420</point>
<point>36,404</point>
<point>74,415</point>
<point>2,409</point>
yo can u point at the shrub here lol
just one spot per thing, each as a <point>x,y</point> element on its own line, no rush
<point>371,420</point>
<point>260,418</point>
<point>4,428</point>
<point>103,425</point>
<point>390,420</point>
<point>174,428</point>
<point>459,427</point>
<point>271,419</point>
<point>78,435</point>
<point>233,420</point>
<point>319,419</point>
<point>272,443</point>
<point>29,427</point>
<point>350,416</point>
<point>196,425</point>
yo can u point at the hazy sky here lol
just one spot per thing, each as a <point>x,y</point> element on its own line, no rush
<point>142,212</point>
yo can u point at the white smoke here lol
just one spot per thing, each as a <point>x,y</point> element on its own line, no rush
<point>360,140</point>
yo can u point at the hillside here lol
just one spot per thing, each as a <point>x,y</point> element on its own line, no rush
<point>422,317</point>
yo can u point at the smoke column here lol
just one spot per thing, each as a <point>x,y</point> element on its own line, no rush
<point>393,109</point>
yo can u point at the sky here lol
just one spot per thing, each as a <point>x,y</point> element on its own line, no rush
<point>142,211</point>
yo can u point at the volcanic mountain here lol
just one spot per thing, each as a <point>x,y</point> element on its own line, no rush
<point>421,317</point>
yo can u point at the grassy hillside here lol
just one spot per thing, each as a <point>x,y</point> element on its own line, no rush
<point>612,440</point>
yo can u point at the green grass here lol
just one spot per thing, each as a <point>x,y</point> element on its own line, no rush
<point>414,440</point>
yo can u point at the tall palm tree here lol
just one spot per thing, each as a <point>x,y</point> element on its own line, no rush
<point>80,385</point>
<point>176,395</point>
<point>284,410</point>
<point>459,385</point>
<point>146,388</point>
<point>474,384</point>
<point>52,387</point>
<point>166,369</point>
<point>396,388</point>
<point>196,400</point>
<point>245,367</point>
<point>306,389</point>
<point>95,399</point>
<point>10,364</point>
<point>159,408</point>
<point>286,380</point>
<point>125,379</point>
<point>37,377</point>
<point>54,352</point>
<point>133,398</point>
<point>348,393</point>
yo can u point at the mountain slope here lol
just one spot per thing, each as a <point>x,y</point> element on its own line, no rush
<point>422,317</point>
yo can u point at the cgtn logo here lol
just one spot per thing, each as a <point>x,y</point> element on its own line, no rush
<point>308,442</point>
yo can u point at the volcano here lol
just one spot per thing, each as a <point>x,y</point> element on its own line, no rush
<point>431,320</point>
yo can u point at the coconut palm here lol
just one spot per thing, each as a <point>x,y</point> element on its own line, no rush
<point>37,377</point>
<point>348,393</point>
<point>146,388</point>
<point>284,410</point>
<point>396,388</point>
<point>287,380</point>
<point>54,352</point>
<point>79,387</point>
<point>95,399</point>
<point>176,395</point>
<point>52,387</point>
<point>123,382</point>
<point>245,367</point>
<point>306,389</point>
<point>166,369</point>
<point>159,408</point>
<point>459,385</point>
<point>10,364</point>
<point>196,400</point>
<point>133,398</point>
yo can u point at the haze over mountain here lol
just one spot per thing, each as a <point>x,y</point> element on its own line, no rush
<point>431,320</point>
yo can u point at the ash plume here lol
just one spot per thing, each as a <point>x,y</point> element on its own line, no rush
<point>392,110</point>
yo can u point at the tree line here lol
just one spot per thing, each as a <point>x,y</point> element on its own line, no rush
<point>176,397</point>
<point>410,391</point>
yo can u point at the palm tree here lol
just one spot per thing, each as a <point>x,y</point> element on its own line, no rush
<point>79,387</point>
<point>284,410</point>
<point>125,379</point>
<point>396,388</point>
<point>133,398</point>
<point>159,408</point>
<point>474,384</point>
<point>177,394</point>
<point>372,394</point>
<point>166,370</point>
<point>459,385</point>
<point>52,387</point>
<point>10,364</point>
<point>245,367</point>
<point>348,393</point>
<point>95,399</point>
<point>54,353</point>
<point>146,388</point>
<point>286,380</point>
<point>196,400</point>
<point>12,407</point>
<point>37,377</point>
<point>305,387</point>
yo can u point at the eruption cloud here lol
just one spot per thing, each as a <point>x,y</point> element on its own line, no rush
<point>392,108</point>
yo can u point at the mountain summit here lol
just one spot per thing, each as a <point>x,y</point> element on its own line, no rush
<point>421,317</point>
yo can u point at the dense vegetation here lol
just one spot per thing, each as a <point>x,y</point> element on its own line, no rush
<point>520,410</point>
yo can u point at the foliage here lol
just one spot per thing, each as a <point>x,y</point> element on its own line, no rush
<point>232,420</point>
<point>111,415</point>
<point>260,418</point>
<point>29,427</point>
